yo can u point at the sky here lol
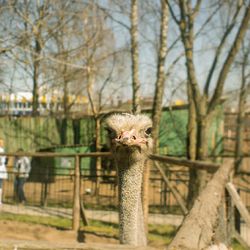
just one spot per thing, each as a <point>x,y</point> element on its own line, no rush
<point>149,35</point>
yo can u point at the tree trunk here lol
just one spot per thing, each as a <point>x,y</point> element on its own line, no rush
<point>35,91</point>
<point>201,147</point>
<point>36,65</point>
<point>198,143</point>
<point>198,228</point>
<point>191,148</point>
<point>239,143</point>
<point>61,124</point>
<point>135,58</point>
<point>35,103</point>
<point>98,149</point>
<point>160,78</point>
<point>185,19</point>
<point>76,130</point>
<point>157,105</point>
<point>198,178</point>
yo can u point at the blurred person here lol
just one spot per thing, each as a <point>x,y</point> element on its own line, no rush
<point>22,169</point>
<point>3,170</point>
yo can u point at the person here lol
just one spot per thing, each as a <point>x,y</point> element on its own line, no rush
<point>22,169</point>
<point>3,170</point>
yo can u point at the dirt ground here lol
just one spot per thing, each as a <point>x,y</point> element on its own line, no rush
<point>21,231</point>
<point>14,230</point>
<point>19,235</point>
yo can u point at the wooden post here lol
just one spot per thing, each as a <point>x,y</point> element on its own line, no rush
<point>83,215</point>
<point>177,196</point>
<point>238,202</point>
<point>76,205</point>
<point>230,217</point>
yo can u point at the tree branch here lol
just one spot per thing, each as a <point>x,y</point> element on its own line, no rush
<point>186,29</point>
<point>229,60</point>
<point>172,13</point>
<point>219,49</point>
<point>197,8</point>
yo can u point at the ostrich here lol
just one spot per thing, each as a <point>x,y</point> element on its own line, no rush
<point>131,143</point>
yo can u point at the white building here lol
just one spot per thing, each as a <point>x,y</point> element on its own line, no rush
<point>20,103</point>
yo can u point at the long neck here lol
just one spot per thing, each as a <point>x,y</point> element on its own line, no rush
<point>130,173</point>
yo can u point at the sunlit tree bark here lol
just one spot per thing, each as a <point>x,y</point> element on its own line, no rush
<point>157,105</point>
<point>205,106</point>
<point>160,78</point>
<point>243,93</point>
<point>135,57</point>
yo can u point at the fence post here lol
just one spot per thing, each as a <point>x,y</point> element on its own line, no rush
<point>230,217</point>
<point>76,204</point>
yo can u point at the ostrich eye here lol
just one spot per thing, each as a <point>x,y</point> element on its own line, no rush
<point>148,131</point>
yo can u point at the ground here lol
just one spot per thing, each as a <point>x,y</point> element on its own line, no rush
<point>15,230</point>
<point>19,235</point>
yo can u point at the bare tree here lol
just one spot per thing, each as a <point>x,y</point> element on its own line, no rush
<point>157,105</point>
<point>243,93</point>
<point>135,57</point>
<point>67,46</point>
<point>136,40</point>
<point>63,47</point>
<point>160,78</point>
<point>203,104</point>
<point>102,64</point>
<point>33,20</point>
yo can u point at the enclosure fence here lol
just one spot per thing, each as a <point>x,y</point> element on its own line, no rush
<point>69,185</point>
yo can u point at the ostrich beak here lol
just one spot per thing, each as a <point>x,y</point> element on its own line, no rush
<point>126,137</point>
<point>129,138</point>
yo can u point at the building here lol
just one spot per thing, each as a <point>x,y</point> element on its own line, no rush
<point>20,104</point>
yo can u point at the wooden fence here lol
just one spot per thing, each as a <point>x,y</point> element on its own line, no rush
<point>202,219</point>
<point>35,133</point>
<point>210,221</point>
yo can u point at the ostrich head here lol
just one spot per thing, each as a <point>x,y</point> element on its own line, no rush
<point>130,142</point>
<point>130,135</point>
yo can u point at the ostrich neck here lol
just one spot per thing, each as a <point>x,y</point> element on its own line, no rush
<point>130,173</point>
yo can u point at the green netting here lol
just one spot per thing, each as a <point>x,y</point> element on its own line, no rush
<point>35,133</point>
<point>173,132</point>
<point>66,165</point>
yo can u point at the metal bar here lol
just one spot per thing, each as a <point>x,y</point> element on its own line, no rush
<point>76,205</point>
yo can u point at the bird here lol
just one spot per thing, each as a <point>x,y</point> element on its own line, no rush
<point>131,144</point>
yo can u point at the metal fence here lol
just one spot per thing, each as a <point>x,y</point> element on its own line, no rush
<point>52,186</point>
<point>51,189</point>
